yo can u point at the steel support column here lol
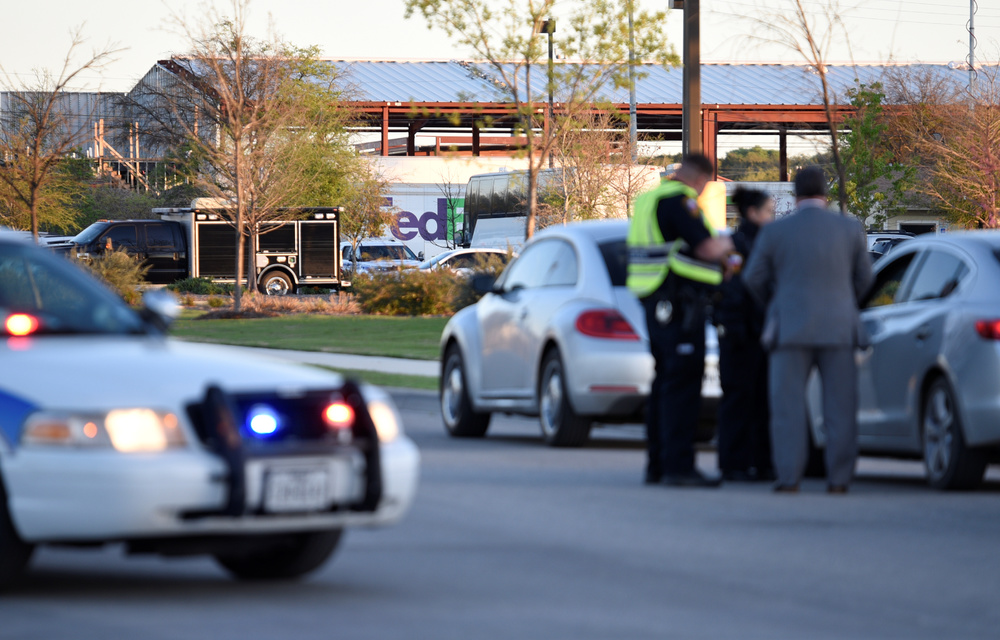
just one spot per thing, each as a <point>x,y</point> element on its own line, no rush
<point>385,130</point>
<point>782,155</point>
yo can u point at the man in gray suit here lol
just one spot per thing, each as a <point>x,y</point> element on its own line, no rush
<point>811,270</point>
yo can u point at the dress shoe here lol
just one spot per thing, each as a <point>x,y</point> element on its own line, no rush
<point>837,489</point>
<point>652,477</point>
<point>738,475</point>
<point>786,488</point>
<point>693,479</point>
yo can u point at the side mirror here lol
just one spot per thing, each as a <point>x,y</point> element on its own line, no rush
<point>483,283</point>
<point>160,308</point>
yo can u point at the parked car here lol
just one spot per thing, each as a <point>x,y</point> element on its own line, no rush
<point>930,385</point>
<point>463,262</point>
<point>559,336</point>
<point>112,432</point>
<point>882,242</point>
<point>378,254</point>
<point>892,236</point>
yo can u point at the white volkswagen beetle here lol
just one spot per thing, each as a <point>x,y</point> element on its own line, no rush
<point>111,432</point>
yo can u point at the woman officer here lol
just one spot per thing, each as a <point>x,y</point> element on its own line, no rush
<point>743,442</point>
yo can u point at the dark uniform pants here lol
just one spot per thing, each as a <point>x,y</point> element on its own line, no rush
<point>678,347</point>
<point>744,441</point>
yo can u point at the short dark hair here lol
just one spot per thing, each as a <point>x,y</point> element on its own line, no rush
<point>745,198</point>
<point>698,163</point>
<point>810,182</point>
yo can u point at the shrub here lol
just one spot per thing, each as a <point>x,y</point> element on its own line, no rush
<point>201,287</point>
<point>187,301</point>
<point>407,292</point>
<point>312,291</point>
<point>334,305</point>
<point>216,302</point>
<point>120,271</point>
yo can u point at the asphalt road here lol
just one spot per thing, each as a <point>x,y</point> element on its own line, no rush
<point>510,539</point>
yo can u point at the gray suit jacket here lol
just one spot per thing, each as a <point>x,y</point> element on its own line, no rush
<point>810,269</point>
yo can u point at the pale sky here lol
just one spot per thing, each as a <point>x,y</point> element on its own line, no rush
<point>36,34</point>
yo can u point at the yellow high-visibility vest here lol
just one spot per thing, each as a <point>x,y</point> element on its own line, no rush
<point>651,258</point>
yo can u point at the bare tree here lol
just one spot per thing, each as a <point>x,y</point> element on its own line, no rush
<point>964,155</point>
<point>450,190</point>
<point>38,131</point>
<point>509,39</point>
<point>810,34</point>
<point>257,120</point>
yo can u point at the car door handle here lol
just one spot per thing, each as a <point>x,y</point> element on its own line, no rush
<point>923,332</point>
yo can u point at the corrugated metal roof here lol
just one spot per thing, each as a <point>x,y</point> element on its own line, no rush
<point>722,83</point>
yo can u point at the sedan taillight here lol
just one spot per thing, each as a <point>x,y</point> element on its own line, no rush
<point>989,329</point>
<point>605,323</point>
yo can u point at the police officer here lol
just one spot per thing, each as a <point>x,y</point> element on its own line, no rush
<point>675,260</point>
<point>744,445</point>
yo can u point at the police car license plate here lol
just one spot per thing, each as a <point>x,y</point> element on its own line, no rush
<point>291,490</point>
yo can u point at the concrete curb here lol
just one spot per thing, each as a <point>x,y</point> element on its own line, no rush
<point>427,368</point>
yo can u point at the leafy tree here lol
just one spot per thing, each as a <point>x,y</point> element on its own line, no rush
<point>754,164</point>
<point>37,133</point>
<point>366,215</point>
<point>508,35</point>
<point>876,183</point>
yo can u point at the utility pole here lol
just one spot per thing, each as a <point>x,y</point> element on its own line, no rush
<point>691,116</point>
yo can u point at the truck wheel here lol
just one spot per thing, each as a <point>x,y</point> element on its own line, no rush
<point>14,552</point>
<point>277,283</point>
<point>284,559</point>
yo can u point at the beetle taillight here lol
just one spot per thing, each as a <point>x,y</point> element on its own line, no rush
<point>989,329</point>
<point>605,323</point>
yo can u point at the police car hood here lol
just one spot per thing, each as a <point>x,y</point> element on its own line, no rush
<point>102,372</point>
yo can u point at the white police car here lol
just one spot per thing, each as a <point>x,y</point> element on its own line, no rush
<point>111,432</point>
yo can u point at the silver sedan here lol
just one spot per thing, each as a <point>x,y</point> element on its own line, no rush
<point>930,384</point>
<point>559,336</point>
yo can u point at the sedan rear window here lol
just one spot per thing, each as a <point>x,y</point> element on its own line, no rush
<point>615,256</point>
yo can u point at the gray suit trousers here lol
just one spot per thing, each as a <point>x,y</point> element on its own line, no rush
<point>789,372</point>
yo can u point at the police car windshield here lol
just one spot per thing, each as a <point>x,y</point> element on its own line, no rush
<point>61,297</point>
<point>90,234</point>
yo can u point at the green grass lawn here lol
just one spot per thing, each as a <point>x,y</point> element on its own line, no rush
<point>396,337</point>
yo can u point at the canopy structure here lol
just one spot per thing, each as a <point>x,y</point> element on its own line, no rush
<point>445,99</point>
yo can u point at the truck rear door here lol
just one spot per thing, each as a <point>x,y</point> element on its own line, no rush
<point>166,252</point>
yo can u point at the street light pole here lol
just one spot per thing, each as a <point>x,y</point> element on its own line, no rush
<point>549,27</point>
<point>633,136</point>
